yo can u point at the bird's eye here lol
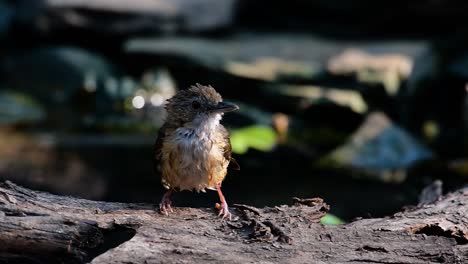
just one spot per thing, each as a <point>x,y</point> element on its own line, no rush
<point>196,105</point>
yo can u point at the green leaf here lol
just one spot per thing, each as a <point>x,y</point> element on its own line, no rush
<point>258,137</point>
<point>330,219</point>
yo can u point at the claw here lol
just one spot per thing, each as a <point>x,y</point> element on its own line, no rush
<point>165,205</point>
<point>224,211</point>
<point>223,207</point>
<point>165,208</point>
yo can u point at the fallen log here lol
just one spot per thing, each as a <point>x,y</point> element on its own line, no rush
<point>38,227</point>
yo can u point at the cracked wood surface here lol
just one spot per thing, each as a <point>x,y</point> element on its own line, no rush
<point>37,227</point>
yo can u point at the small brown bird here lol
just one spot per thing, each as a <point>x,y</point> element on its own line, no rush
<point>193,150</point>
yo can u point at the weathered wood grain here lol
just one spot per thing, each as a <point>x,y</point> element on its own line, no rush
<point>37,227</point>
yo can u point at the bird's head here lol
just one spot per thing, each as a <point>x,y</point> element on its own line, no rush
<point>196,105</point>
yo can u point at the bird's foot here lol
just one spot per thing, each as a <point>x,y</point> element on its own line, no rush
<point>165,205</point>
<point>224,210</point>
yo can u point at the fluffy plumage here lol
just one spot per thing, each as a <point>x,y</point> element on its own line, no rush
<point>193,150</point>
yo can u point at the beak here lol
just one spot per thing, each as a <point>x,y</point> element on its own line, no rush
<point>223,107</point>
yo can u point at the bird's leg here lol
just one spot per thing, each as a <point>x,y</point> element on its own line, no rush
<point>166,202</point>
<point>223,208</point>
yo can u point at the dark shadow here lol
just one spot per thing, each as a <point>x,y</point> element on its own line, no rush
<point>112,238</point>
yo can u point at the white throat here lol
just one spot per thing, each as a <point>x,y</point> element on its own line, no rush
<point>202,127</point>
<point>206,123</point>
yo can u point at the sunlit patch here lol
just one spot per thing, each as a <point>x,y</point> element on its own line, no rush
<point>430,129</point>
<point>257,137</point>
<point>141,92</point>
<point>138,102</point>
<point>157,99</point>
<point>90,82</point>
<point>348,98</point>
<point>389,69</point>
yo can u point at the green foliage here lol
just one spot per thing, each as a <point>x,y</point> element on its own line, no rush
<point>330,219</point>
<point>258,137</point>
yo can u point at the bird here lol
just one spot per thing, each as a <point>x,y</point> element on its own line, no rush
<point>193,149</point>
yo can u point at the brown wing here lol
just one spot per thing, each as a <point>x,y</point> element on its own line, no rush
<point>157,149</point>
<point>228,149</point>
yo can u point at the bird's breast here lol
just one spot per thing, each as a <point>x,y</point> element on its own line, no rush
<point>192,160</point>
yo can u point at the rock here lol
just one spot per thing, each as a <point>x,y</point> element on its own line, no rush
<point>18,108</point>
<point>267,57</point>
<point>122,17</point>
<point>315,94</point>
<point>380,148</point>
<point>388,69</point>
<point>272,64</point>
<point>236,55</point>
<point>435,94</point>
<point>262,57</point>
<point>54,74</point>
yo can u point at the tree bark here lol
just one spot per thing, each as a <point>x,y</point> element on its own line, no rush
<point>38,227</point>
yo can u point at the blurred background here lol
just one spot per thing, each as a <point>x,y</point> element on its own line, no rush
<point>360,102</point>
